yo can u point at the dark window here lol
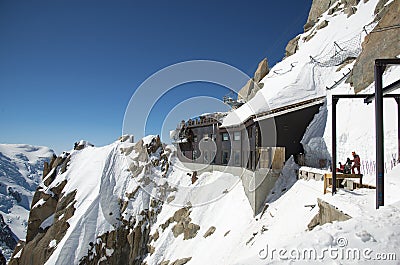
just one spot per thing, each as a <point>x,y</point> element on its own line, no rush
<point>225,137</point>
<point>225,157</point>
<point>250,131</point>
<point>251,160</point>
<point>195,138</point>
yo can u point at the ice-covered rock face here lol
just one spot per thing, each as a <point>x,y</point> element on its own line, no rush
<point>21,168</point>
<point>103,193</point>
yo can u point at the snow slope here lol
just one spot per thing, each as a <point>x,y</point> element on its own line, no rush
<point>95,200</point>
<point>374,231</point>
<point>21,168</point>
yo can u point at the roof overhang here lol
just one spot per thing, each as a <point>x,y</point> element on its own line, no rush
<point>290,108</point>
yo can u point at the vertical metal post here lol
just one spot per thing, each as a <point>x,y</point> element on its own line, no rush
<point>334,103</point>
<point>379,68</point>
<point>398,126</point>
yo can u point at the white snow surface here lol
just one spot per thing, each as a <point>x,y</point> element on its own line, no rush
<point>100,176</point>
<point>21,168</point>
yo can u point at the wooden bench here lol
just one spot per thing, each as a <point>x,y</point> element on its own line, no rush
<point>339,177</point>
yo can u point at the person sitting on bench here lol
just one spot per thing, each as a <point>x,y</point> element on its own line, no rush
<point>347,166</point>
<point>357,163</point>
<point>341,168</point>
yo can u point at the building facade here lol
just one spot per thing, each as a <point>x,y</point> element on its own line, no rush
<point>265,140</point>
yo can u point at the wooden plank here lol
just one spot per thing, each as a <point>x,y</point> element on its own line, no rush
<point>339,176</point>
<point>344,176</point>
<point>325,183</point>
<point>277,154</point>
<point>279,158</point>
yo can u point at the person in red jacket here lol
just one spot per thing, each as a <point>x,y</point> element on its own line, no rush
<point>357,163</point>
<point>340,168</point>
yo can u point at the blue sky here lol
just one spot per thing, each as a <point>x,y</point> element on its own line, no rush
<point>68,68</point>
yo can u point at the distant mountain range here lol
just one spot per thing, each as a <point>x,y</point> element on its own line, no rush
<point>21,169</point>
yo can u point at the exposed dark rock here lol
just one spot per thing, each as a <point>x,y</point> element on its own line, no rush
<point>181,261</point>
<point>36,250</point>
<point>252,86</point>
<point>7,237</point>
<point>151,249</point>
<point>351,10</point>
<point>3,260</point>
<point>318,7</point>
<point>154,145</point>
<point>262,70</point>
<point>183,224</point>
<point>15,194</point>
<point>378,44</point>
<point>170,199</point>
<point>40,213</point>
<point>381,4</point>
<point>46,169</point>
<point>155,236</point>
<point>309,36</point>
<point>381,10</point>
<point>292,46</point>
<point>51,164</point>
<point>322,25</point>
<point>65,164</point>
<point>308,26</point>
<point>126,138</point>
<point>209,232</point>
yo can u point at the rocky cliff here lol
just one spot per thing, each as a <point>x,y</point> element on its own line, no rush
<point>382,42</point>
<point>253,85</point>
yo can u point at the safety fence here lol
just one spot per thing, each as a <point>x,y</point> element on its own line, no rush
<point>368,167</point>
<point>340,51</point>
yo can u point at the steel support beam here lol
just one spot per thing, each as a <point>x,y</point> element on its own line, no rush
<point>334,103</point>
<point>386,90</point>
<point>398,125</point>
<point>379,69</point>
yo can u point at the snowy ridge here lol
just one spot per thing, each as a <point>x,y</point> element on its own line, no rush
<point>89,215</point>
